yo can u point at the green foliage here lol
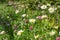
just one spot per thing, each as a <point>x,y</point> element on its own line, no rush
<point>11,22</point>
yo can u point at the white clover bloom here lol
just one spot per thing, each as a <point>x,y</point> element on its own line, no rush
<point>43,6</point>
<point>52,33</point>
<point>22,6</point>
<point>17,11</point>
<point>7,16</point>
<point>56,27</point>
<point>20,32</point>
<point>36,36</point>
<point>55,8</point>
<point>23,15</point>
<point>3,32</point>
<point>59,33</point>
<point>51,9</point>
<point>32,20</point>
<point>10,3</point>
<point>44,16</point>
<point>5,39</point>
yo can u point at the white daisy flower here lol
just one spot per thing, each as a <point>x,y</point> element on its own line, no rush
<point>22,6</point>
<point>52,33</point>
<point>3,32</point>
<point>36,36</point>
<point>59,33</point>
<point>56,27</point>
<point>44,16</point>
<point>55,8</point>
<point>51,9</point>
<point>32,20</point>
<point>20,32</point>
<point>43,6</point>
<point>23,15</point>
<point>17,11</point>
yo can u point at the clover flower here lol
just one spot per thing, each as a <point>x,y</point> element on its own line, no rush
<point>7,16</point>
<point>55,8</point>
<point>51,9</point>
<point>56,27</point>
<point>22,6</point>
<point>20,32</point>
<point>17,11</point>
<point>43,6</point>
<point>44,16</point>
<point>52,33</point>
<point>36,36</point>
<point>58,38</point>
<point>23,15</point>
<point>32,20</point>
<point>2,32</point>
<point>39,17</point>
<point>31,27</point>
<point>59,33</point>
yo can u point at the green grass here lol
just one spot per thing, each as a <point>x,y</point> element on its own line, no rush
<point>10,21</point>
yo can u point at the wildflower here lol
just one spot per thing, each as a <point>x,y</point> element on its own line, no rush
<point>55,8</point>
<point>5,39</point>
<point>56,27</point>
<point>32,20</point>
<point>22,6</point>
<point>59,33</point>
<point>36,36</point>
<point>7,16</point>
<point>10,3</point>
<point>51,9</point>
<point>58,38</point>
<point>17,11</point>
<point>38,5</point>
<point>20,32</point>
<point>31,27</point>
<point>23,15</point>
<point>39,17</point>
<point>26,6</point>
<point>3,32</point>
<point>44,16</point>
<point>52,33</point>
<point>43,6</point>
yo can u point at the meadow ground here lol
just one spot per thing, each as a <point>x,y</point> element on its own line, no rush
<point>30,20</point>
